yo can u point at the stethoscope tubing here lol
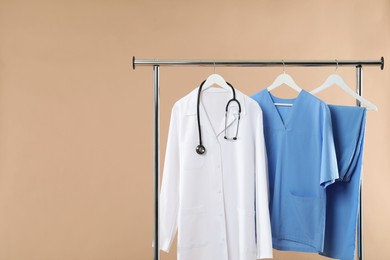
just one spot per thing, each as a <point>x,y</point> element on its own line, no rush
<point>200,149</point>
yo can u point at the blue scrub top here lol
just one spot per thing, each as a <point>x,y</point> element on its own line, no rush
<point>301,164</point>
<point>343,196</point>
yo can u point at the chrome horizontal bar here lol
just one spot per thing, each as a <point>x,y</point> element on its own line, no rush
<point>258,63</point>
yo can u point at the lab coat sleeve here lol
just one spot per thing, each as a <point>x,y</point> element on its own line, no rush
<point>169,196</point>
<point>263,225</point>
<point>329,169</point>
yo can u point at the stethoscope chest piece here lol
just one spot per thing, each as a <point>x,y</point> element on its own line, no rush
<point>200,149</point>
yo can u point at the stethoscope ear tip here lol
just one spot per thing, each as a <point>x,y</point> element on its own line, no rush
<point>234,138</point>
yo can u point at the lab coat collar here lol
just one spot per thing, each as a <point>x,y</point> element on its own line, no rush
<point>232,114</point>
<point>190,108</point>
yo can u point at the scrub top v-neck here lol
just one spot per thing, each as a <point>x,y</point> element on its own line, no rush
<point>285,113</point>
<point>301,164</point>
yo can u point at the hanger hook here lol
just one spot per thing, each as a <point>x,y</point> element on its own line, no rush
<point>284,69</point>
<point>337,65</point>
<point>214,66</point>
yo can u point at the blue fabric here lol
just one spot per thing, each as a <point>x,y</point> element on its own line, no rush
<point>343,196</point>
<point>301,164</point>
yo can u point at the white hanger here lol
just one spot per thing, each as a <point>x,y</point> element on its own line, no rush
<point>215,79</point>
<point>336,79</point>
<point>284,78</point>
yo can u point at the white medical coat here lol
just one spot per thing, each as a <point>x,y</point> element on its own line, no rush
<point>218,201</point>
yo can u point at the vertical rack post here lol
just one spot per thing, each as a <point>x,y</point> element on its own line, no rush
<point>359,91</point>
<point>156,90</point>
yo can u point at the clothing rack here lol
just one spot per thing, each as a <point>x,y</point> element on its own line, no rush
<point>241,63</point>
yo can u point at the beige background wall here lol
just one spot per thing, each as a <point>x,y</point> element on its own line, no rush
<point>76,127</point>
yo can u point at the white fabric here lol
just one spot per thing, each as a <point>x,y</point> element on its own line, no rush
<point>218,201</point>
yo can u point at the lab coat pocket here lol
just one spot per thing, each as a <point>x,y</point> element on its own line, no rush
<point>246,232</point>
<point>193,228</point>
<point>306,212</point>
<point>190,158</point>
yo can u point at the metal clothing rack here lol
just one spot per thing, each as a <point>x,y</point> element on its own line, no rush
<point>240,63</point>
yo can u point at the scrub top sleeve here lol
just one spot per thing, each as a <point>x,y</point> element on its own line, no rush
<point>263,226</point>
<point>169,196</point>
<point>329,169</point>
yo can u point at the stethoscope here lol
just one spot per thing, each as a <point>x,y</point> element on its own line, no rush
<point>200,149</point>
